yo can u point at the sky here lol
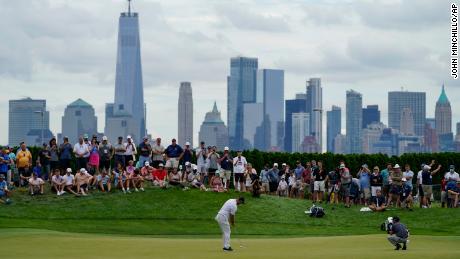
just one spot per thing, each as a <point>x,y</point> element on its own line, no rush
<point>62,50</point>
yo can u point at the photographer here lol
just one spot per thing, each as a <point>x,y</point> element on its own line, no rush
<point>398,234</point>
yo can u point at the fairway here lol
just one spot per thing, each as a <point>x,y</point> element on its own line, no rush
<point>26,243</point>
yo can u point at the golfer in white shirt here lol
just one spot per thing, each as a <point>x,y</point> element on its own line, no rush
<point>226,217</point>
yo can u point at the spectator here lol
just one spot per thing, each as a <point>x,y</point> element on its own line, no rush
<point>226,167</point>
<point>406,195</point>
<point>427,183</point>
<point>273,178</point>
<point>38,169</point>
<point>188,170</point>
<point>201,156</point>
<point>24,162</point>
<point>239,165</point>
<point>194,179</point>
<point>249,175</point>
<point>452,175</point>
<point>265,180</point>
<point>376,181</point>
<point>14,175</point>
<point>82,180</point>
<point>69,180</point>
<point>4,192</point>
<point>385,173</point>
<point>4,162</point>
<point>44,156</point>
<point>157,153</point>
<point>453,193</point>
<point>332,180</point>
<point>80,150</point>
<point>119,177</point>
<point>292,186</point>
<point>131,151</point>
<point>345,180</point>
<point>94,158</point>
<point>174,178</point>
<point>147,171</point>
<point>187,155</point>
<point>307,186</point>
<point>106,153</point>
<point>256,188</point>
<point>216,183</point>
<point>395,185</point>
<point>103,181</point>
<point>120,149</point>
<point>398,234</point>
<point>319,176</point>
<point>36,185</point>
<point>408,175</point>
<point>54,155</point>
<point>65,151</point>
<point>159,176</point>
<point>282,189</point>
<point>88,144</point>
<point>364,182</point>
<point>213,162</point>
<point>137,180</point>
<point>145,151</point>
<point>130,173</point>
<point>378,203</point>
<point>57,183</point>
<point>173,154</point>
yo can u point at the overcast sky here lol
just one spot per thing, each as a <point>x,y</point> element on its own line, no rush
<point>62,50</point>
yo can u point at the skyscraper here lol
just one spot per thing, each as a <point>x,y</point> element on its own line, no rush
<point>292,106</point>
<point>79,119</point>
<point>370,114</point>
<point>334,126</point>
<point>443,114</point>
<point>27,116</point>
<point>241,88</point>
<point>415,101</point>
<point>407,122</point>
<point>270,89</point>
<point>300,129</point>
<point>354,122</point>
<point>253,118</point>
<point>185,116</point>
<point>213,130</point>
<point>371,135</point>
<point>126,116</point>
<point>315,108</point>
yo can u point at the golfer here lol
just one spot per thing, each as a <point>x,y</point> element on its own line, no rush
<point>226,217</point>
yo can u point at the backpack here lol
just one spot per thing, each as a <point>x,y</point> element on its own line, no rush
<point>317,212</point>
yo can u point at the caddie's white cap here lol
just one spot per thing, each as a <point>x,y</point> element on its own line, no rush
<point>104,138</point>
<point>226,148</point>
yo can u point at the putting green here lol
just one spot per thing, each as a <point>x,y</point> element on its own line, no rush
<point>25,243</point>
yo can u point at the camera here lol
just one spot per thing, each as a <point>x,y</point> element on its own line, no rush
<point>387,225</point>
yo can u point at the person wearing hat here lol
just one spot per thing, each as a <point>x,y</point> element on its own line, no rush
<point>282,189</point>
<point>145,150</point>
<point>106,153</point>
<point>213,158</point>
<point>427,183</point>
<point>345,184</point>
<point>406,195</point>
<point>239,165</point>
<point>396,177</point>
<point>398,234</point>
<point>451,179</point>
<point>187,155</point>
<point>36,185</point>
<point>69,180</point>
<point>83,180</point>
<point>159,176</point>
<point>319,186</point>
<point>249,175</point>
<point>364,176</point>
<point>147,171</point>
<point>376,181</point>
<point>81,149</point>
<point>201,156</point>
<point>194,179</point>
<point>226,218</point>
<point>216,183</point>
<point>273,177</point>
<point>120,149</point>
<point>225,162</point>
<point>5,161</point>
<point>173,154</point>
<point>131,150</point>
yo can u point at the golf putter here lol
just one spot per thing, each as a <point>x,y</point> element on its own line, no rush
<point>239,239</point>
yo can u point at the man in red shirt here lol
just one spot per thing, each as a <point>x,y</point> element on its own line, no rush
<point>159,176</point>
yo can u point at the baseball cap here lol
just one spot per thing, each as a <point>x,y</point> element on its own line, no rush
<point>364,165</point>
<point>404,179</point>
<point>275,164</point>
<point>2,176</point>
<point>426,167</point>
<point>283,164</point>
<point>187,163</point>
<point>226,148</point>
<point>147,163</point>
<point>69,170</point>
<point>160,165</point>
<point>187,143</point>
<point>342,166</point>
<point>82,170</point>
<point>396,166</point>
<point>104,138</point>
<point>129,136</point>
<point>85,136</point>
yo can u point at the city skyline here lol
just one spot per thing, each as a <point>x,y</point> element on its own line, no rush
<point>90,66</point>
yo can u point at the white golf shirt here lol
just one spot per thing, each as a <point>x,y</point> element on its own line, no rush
<point>453,176</point>
<point>229,208</point>
<point>81,149</point>
<point>239,164</point>
<point>68,179</point>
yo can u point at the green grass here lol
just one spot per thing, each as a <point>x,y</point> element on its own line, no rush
<point>38,244</point>
<point>176,212</point>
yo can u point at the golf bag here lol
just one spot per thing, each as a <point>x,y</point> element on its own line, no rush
<point>387,225</point>
<point>317,212</point>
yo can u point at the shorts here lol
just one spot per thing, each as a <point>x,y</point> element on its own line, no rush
<point>427,190</point>
<point>24,173</point>
<point>201,169</point>
<point>420,190</point>
<point>227,174</point>
<point>84,186</point>
<point>385,189</point>
<point>266,187</point>
<point>345,189</point>
<point>374,190</point>
<point>2,193</point>
<point>172,163</point>
<point>366,193</point>
<point>396,189</point>
<point>105,164</point>
<point>239,177</point>
<point>319,186</point>
<point>333,188</point>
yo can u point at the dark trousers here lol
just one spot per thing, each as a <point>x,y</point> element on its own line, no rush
<point>119,159</point>
<point>81,163</point>
<point>105,164</point>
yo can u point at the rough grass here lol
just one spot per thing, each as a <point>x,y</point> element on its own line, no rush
<point>176,212</point>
